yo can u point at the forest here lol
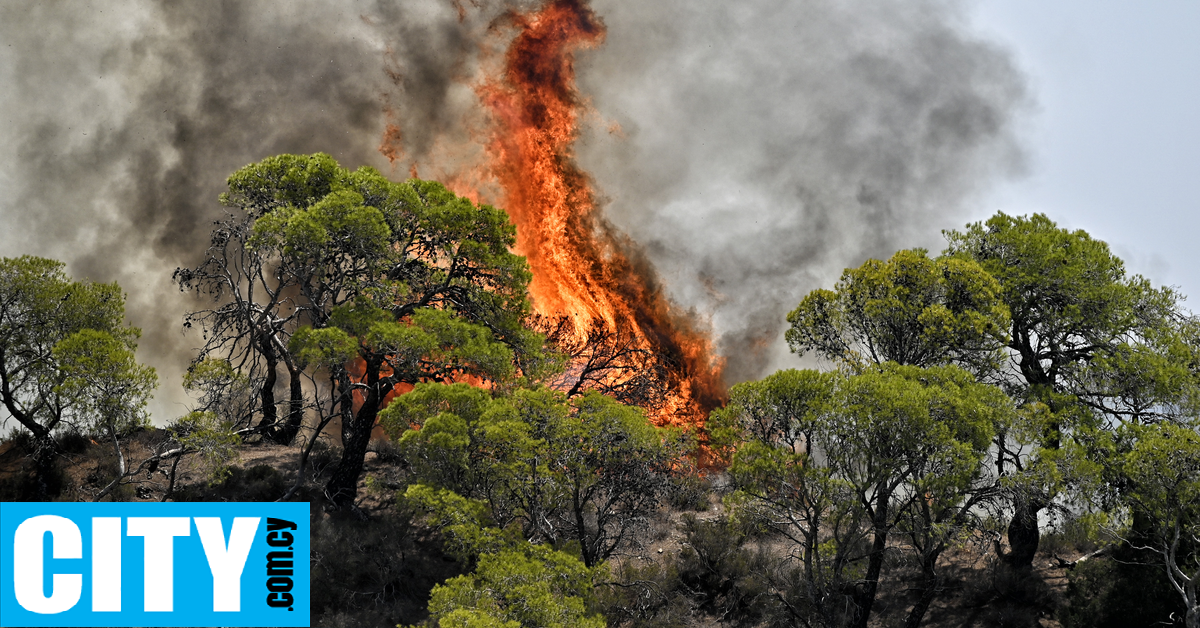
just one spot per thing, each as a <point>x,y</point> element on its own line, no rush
<point>1005,433</point>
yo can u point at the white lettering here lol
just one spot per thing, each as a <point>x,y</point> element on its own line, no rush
<point>65,542</point>
<point>106,564</point>
<point>226,563</point>
<point>159,567</point>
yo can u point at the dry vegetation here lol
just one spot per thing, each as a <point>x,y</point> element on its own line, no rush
<point>690,566</point>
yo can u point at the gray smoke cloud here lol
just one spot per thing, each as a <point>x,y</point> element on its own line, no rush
<point>123,119</point>
<point>763,145</point>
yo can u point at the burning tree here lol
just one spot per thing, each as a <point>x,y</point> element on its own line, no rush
<point>612,361</point>
<point>370,284</point>
<point>600,299</point>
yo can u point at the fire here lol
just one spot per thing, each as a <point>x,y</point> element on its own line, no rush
<point>582,267</point>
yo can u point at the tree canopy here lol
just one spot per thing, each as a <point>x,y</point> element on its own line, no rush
<point>910,309</point>
<point>1090,348</point>
<point>1079,324</point>
<point>1048,314</point>
<point>67,357</point>
<point>589,471</point>
<point>834,463</point>
<point>516,583</point>
<point>1163,473</point>
<point>370,282</point>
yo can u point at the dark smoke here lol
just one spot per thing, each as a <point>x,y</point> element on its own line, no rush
<point>763,145</point>
<point>122,120</point>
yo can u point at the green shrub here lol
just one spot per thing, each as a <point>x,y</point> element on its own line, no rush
<point>374,573</point>
<point>1128,589</point>
<point>689,493</point>
<point>260,483</point>
<point>728,578</point>
<point>518,586</point>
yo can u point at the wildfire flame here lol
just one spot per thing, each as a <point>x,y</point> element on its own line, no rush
<point>582,267</point>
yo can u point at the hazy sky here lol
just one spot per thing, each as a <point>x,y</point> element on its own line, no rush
<point>1114,139</point>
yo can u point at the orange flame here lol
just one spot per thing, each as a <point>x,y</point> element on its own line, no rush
<point>582,267</point>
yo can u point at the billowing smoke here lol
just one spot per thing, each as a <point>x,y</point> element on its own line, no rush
<point>759,146</point>
<point>121,121</point>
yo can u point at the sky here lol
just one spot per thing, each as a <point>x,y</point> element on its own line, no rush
<point>1113,137</point>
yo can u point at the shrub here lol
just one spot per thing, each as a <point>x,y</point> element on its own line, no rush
<point>646,596</point>
<point>387,451</point>
<point>260,483</point>
<point>1014,598</point>
<point>689,493</point>
<point>18,479</point>
<point>322,458</point>
<point>729,579</point>
<point>73,442</point>
<point>1128,589</point>
<point>374,573</point>
<point>1070,535</point>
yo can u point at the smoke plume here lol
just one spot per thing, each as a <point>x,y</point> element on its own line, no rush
<point>752,148</point>
<point>123,119</point>
<point>761,146</point>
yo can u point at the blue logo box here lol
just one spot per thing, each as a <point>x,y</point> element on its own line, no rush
<point>154,564</point>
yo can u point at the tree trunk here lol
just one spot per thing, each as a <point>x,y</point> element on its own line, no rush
<point>171,479</point>
<point>45,454</point>
<point>588,550</point>
<point>45,448</point>
<point>342,487</point>
<point>303,460</point>
<point>269,415</point>
<point>112,432</point>
<point>865,596</point>
<point>929,585</point>
<point>286,433</point>
<point>1023,534</point>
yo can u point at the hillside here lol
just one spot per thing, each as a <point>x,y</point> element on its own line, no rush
<point>689,566</point>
